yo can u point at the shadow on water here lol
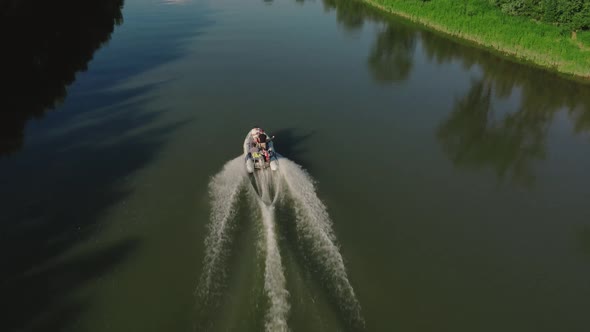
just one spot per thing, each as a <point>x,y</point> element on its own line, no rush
<point>477,135</point>
<point>40,300</point>
<point>292,146</point>
<point>54,208</point>
<point>44,45</point>
<point>55,192</point>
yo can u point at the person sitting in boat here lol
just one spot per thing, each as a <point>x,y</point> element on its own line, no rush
<point>260,139</point>
<point>258,142</point>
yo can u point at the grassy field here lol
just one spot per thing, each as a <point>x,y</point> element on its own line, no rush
<point>479,22</point>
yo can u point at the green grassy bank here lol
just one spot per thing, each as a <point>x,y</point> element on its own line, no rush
<point>482,23</point>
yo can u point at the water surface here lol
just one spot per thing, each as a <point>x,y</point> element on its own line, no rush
<point>456,180</point>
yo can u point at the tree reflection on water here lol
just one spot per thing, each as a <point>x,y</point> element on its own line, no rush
<point>44,45</point>
<point>476,135</point>
<point>392,56</point>
<point>472,137</point>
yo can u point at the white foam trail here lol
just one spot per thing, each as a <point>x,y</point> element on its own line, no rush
<point>224,189</point>
<point>274,277</point>
<point>314,224</point>
<point>268,187</point>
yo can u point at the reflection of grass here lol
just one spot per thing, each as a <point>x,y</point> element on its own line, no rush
<point>480,22</point>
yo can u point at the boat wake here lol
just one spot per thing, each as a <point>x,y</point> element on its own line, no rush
<point>313,224</point>
<point>290,183</point>
<point>224,189</point>
<point>274,277</point>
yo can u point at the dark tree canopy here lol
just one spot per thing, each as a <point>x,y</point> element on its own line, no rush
<point>44,45</point>
<point>573,15</point>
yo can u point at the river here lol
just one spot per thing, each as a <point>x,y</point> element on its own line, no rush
<point>445,188</point>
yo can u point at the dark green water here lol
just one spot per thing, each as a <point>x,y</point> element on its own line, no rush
<point>457,181</point>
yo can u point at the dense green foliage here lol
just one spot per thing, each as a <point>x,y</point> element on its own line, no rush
<point>573,15</point>
<point>524,34</point>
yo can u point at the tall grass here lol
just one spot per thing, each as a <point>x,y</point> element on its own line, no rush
<point>482,23</point>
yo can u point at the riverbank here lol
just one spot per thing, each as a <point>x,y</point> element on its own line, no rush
<point>479,22</point>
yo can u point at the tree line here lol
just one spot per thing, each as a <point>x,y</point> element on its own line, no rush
<point>572,15</point>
